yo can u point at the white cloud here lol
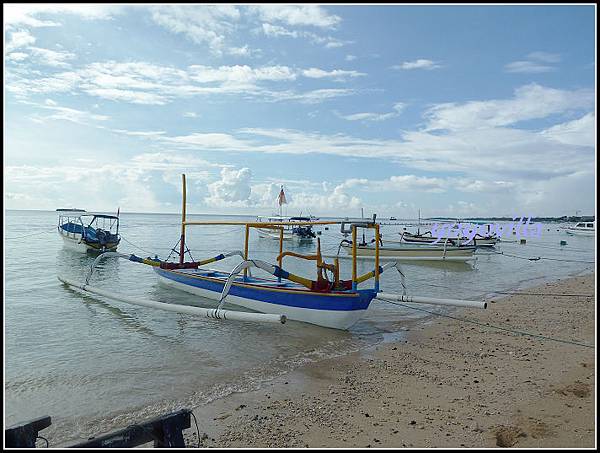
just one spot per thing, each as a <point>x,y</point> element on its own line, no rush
<point>27,14</point>
<point>350,57</point>
<point>274,31</point>
<point>17,56</point>
<point>298,15</point>
<point>58,59</point>
<point>19,39</point>
<point>233,189</point>
<point>579,132</point>
<point>67,114</point>
<point>336,74</point>
<point>190,115</point>
<point>370,116</point>
<point>531,101</point>
<point>418,64</point>
<point>536,63</point>
<point>208,25</point>
<point>527,67</point>
<point>545,57</point>
<point>145,83</point>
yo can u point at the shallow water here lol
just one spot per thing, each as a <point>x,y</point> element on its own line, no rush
<point>94,364</point>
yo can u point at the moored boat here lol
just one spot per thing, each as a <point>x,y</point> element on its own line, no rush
<point>87,231</point>
<point>429,238</point>
<point>406,252</point>
<point>582,228</point>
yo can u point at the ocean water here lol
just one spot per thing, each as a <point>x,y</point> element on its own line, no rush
<point>94,364</point>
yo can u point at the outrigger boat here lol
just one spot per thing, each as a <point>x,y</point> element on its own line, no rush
<point>87,231</point>
<point>429,238</point>
<point>405,252</point>
<point>327,301</point>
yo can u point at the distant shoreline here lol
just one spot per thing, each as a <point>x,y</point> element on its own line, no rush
<point>399,220</point>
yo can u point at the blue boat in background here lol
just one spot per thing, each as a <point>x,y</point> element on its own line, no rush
<point>87,231</point>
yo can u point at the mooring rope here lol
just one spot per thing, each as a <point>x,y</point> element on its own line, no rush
<point>32,234</point>
<point>490,326</point>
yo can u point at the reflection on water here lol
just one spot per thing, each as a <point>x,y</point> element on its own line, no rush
<point>95,364</point>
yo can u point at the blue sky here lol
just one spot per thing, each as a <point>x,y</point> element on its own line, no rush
<point>454,110</point>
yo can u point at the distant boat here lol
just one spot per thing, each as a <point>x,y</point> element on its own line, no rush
<point>70,210</point>
<point>290,225</point>
<point>89,231</point>
<point>405,252</point>
<point>582,228</point>
<point>292,228</point>
<point>429,238</point>
<point>393,218</point>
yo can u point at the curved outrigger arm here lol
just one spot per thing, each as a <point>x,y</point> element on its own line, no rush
<point>281,273</point>
<point>158,263</point>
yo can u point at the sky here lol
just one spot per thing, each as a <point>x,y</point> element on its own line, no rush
<point>454,110</point>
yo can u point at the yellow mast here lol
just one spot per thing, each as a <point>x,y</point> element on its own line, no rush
<point>182,239</point>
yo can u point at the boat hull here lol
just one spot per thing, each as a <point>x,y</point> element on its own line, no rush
<point>337,310</point>
<point>580,232</point>
<point>478,242</point>
<point>74,241</point>
<point>415,253</point>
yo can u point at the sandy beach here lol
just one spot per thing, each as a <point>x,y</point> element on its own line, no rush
<point>449,383</point>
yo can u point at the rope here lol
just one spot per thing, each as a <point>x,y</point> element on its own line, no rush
<point>197,429</point>
<point>542,258</point>
<point>33,234</point>
<point>470,321</point>
<point>137,247</point>
<point>512,293</point>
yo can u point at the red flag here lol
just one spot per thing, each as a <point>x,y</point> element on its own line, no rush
<point>282,199</point>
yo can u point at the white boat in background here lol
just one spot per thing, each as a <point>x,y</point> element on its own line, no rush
<point>87,231</point>
<point>406,252</point>
<point>582,228</point>
<point>293,227</point>
<point>429,238</point>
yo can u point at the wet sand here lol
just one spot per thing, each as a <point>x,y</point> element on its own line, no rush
<point>447,384</point>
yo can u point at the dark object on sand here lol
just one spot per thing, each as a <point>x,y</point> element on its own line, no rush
<point>24,435</point>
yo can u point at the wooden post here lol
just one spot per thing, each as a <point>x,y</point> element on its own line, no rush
<point>182,239</point>
<point>354,284</point>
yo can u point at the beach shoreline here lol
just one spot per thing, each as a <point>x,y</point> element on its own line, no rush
<point>447,383</point>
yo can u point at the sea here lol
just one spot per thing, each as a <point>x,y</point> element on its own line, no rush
<point>95,364</point>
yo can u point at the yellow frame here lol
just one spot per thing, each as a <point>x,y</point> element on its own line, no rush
<point>279,226</point>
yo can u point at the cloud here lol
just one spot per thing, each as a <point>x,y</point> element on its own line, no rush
<point>369,116</point>
<point>67,114</point>
<point>233,189</point>
<point>150,84</point>
<point>536,63</point>
<point>579,132</point>
<point>545,57</point>
<point>275,31</point>
<point>297,15</point>
<point>19,39</point>
<point>418,64</point>
<point>57,59</point>
<point>336,74</point>
<point>531,101</point>
<point>208,25</point>
<point>527,67</point>
<point>27,15</point>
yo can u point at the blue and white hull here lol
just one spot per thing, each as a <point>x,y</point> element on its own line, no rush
<point>337,310</point>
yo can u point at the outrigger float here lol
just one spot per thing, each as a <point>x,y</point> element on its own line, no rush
<point>327,301</point>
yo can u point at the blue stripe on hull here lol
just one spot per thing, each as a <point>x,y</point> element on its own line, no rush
<point>292,298</point>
